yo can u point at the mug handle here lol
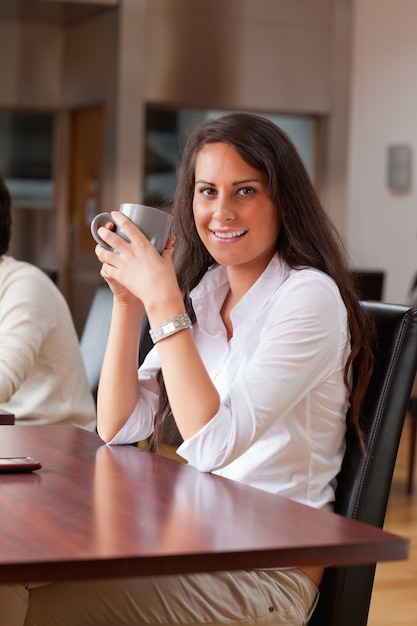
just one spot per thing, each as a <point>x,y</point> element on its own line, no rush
<point>100,220</point>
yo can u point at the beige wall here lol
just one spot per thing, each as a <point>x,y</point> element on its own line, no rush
<point>258,54</point>
<point>31,64</point>
<point>382,223</point>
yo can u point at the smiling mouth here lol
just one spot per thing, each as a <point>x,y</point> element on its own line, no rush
<point>235,234</point>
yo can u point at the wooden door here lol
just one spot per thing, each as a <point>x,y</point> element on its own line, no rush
<point>85,185</point>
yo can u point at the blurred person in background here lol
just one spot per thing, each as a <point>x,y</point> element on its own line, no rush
<point>42,374</point>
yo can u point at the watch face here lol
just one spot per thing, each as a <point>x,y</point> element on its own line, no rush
<point>169,327</point>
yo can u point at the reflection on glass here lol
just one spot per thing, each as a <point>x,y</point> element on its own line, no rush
<point>26,157</point>
<point>166,132</point>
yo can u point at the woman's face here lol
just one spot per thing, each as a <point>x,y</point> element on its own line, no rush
<point>234,215</point>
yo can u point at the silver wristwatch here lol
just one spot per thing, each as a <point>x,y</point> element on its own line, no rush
<point>170,327</point>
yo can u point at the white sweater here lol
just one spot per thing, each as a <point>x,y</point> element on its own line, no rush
<point>42,375</point>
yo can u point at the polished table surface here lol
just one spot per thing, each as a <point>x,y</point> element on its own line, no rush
<point>6,418</point>
<point>96,511</point>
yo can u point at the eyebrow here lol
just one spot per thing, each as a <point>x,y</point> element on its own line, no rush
<point>238,182</point>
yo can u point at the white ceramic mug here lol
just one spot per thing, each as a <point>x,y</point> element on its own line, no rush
<point>154,224</point>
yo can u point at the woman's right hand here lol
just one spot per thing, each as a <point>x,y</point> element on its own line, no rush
<point>138,270</point>
<point>120,292</point>
<point>118,387</point>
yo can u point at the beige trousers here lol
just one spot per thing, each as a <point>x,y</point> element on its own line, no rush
<point>270,598</point>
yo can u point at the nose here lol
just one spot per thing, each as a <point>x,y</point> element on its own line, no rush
<point>223,210</point>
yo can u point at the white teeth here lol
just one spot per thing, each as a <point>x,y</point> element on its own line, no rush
<point>229,235</point>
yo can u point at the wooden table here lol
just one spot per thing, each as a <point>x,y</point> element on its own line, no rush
<point>95,511</point>
<point>6,418</point>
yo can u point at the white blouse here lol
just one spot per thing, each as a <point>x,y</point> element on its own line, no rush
<point>282,419</point>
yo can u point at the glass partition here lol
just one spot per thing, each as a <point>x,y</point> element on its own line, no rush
<point>26,157</point>
<point>166,131</point>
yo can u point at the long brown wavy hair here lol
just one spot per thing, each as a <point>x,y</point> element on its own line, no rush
<point>307,237</point>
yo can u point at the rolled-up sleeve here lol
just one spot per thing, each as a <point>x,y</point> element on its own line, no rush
<point>140,424</point>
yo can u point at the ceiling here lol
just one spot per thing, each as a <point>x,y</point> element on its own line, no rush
<point>53,11</point>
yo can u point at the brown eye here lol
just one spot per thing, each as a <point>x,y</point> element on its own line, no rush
<point>247,191</point>
<point>207,191</point>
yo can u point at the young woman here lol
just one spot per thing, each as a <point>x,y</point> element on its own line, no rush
<point>257,327</point>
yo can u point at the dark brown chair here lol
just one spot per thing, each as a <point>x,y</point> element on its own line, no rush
<point>369,283</point>
<point>412,406</point>
<point>412,412</point>
<point>365,480</point>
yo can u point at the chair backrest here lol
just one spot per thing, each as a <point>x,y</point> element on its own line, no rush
<point>95,333</point>
<point>94,336</point>
<point>365,480</point>
<point>145,342</point>
<point>369,283</point>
